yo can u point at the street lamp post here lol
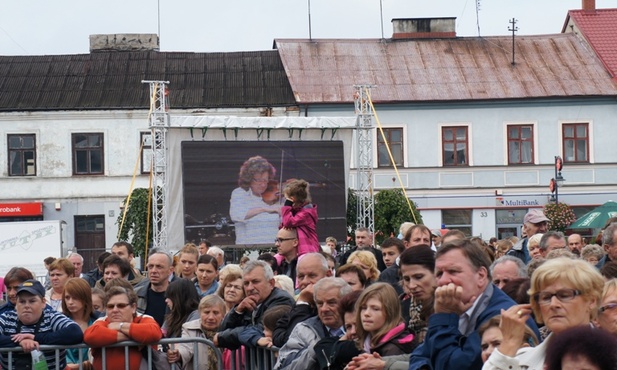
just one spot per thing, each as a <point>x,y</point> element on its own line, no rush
<point>556,181</point>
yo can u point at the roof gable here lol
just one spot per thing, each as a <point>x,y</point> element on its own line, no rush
<point>600,30</point>
<point>112,80</point>
<point>324,71</point>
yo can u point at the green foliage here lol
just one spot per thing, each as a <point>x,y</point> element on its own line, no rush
<point>391,210</point>
<point>135,223</point>
<point>560,215</point>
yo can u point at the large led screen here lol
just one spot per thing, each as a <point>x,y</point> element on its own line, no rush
<point>232,190</point>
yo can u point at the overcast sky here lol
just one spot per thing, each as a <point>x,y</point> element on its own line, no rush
<point>37,27</point>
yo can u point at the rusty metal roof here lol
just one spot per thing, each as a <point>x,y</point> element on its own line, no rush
<point>112,80</point>
<point>459,69</point>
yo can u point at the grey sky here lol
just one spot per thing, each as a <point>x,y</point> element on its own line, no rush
<point>33,27</point>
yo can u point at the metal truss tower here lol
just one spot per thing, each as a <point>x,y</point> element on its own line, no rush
<point>364,158</point>
<point>159,124</point>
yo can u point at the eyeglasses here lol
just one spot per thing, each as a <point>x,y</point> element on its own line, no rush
<point>563,295</point>
<point>608,307</point>
<point>119,305</point>
<point>280,240</point>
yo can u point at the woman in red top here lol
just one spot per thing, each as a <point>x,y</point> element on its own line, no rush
<point>121,323</point>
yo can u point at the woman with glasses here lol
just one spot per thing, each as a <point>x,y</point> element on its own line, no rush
<point>255,219</point>
<point>565,293</point>
<point>607,316</point>
<point>121,323</point>
<point>232,290</point>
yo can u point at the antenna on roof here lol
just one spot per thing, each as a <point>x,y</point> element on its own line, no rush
<point>513,29</point>
<point>309,19</point>
<point>381,17</point>
<point>478,16</point>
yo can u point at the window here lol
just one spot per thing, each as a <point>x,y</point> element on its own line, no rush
<point>146,152</point>
<point>454,141</point>
<point>394,139</point>
<point>576,142</point>
<point>459,219</point>
<point>88,154</point>
<point>520,144</point>
<point>22,155</point>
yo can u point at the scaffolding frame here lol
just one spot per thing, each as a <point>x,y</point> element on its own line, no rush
<point>160,123</point>
<point>364,158</point>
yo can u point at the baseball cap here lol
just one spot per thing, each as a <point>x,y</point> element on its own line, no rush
<point>31,286</point>
<point>436,232</point>
<point>535,216</point>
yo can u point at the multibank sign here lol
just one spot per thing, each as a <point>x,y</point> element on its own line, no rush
<point>530,202</point>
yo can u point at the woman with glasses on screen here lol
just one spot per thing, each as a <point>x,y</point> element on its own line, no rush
<point>121,323</point>
<point>565,293</point>
<point>256,215</point>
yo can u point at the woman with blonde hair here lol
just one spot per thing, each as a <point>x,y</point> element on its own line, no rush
<point>379,324</point>
<point>187,261</point>
<point>367,262</point>
<point>533,244</point>
<point>565,293</point>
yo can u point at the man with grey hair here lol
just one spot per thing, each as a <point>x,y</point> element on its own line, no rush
<point>552,240</point>
<point>78,262</point>
<point>609,242</point>
<point>151,290</point>
<point>219,254</point>
<point>261,294</point>
<point>311,269</point>
<point>507,268</point>
<point>298,352</point>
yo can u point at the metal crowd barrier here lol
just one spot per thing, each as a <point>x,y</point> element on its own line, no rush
<point>251,358</point>
<point>8,352</point>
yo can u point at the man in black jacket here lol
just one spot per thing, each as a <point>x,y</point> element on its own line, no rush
<point>364,242</point>
<point>261,294</point>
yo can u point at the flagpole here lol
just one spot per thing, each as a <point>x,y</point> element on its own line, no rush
<point>309,20</point>
<point>381,17</point>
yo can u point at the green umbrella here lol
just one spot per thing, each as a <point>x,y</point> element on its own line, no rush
<point>596,218</point>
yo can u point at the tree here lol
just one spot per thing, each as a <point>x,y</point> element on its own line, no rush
<point>136,221</point>
<point>391,210</point>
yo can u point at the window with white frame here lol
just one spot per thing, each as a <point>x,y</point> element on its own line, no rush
<point>22,154</point>
<point>394,140</point>
<point>520,144</point>
<point>575,142</point>
<point>455,144</point>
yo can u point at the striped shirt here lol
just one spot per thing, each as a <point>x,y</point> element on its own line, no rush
<point>55,328</point>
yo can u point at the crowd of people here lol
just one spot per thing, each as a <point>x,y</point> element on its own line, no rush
<point>427,300</point>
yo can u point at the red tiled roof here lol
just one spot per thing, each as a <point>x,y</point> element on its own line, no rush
<point>561,65</point>
<point>600,30</point>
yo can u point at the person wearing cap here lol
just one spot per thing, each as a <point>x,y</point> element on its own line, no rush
<point>436,237</point>
<point>534,222</point>
<point>31,325</point>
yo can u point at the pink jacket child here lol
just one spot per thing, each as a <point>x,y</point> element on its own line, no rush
<point>304,220</point>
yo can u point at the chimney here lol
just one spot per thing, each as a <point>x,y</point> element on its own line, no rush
<point>125,42</point>
<point>423,28</point>
<point>589,6</point>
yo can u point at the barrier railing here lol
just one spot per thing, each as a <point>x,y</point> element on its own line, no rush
<point>251,358</point>
<point>9,353</point>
